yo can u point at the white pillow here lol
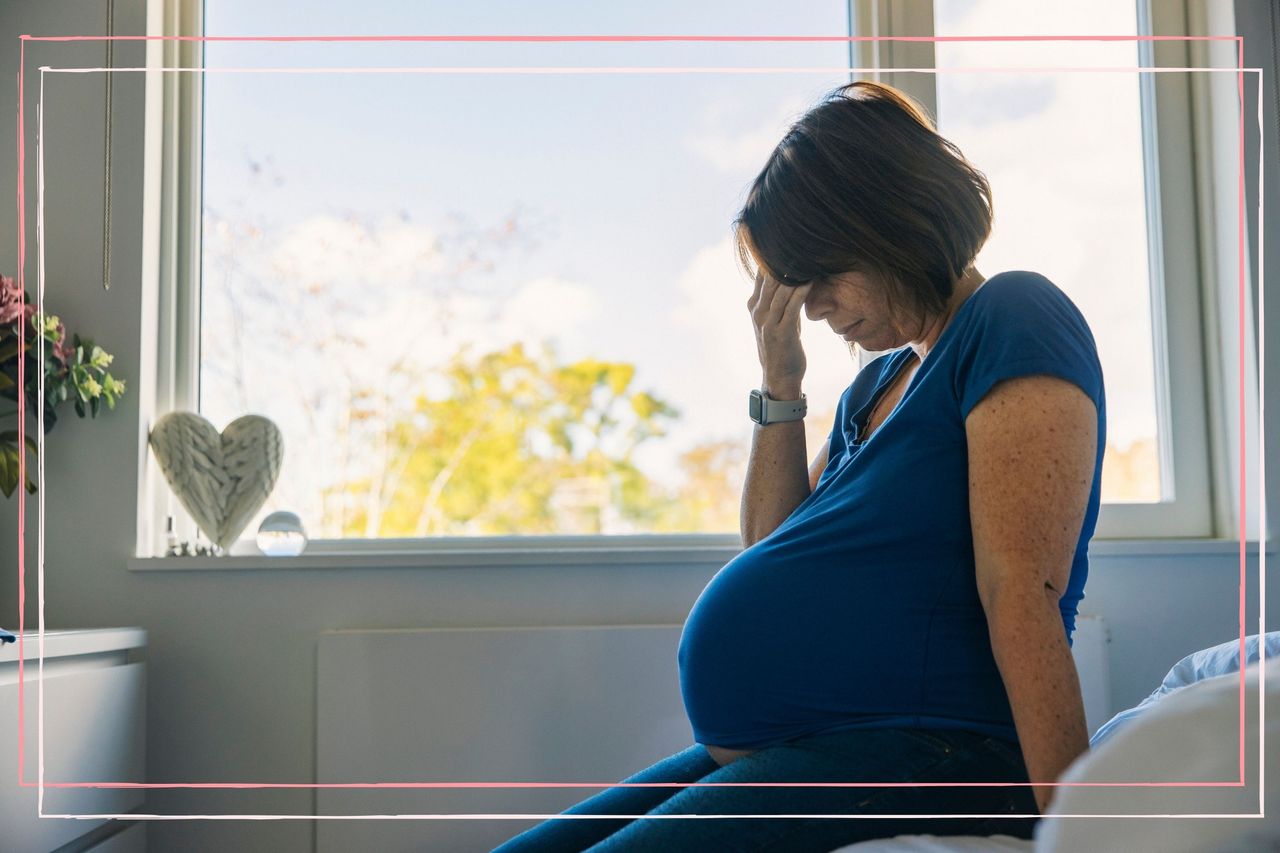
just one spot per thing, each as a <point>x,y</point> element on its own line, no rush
<point>1212,662</point>
<point>1192,735</point>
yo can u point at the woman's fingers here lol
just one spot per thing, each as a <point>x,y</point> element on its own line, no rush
<point>761,312</point>
<point>775,309</point>
<point>773,302</point>
<point>755,292</point>
<point>787,302</point>
<point>778,295</point>
<point>795,302</point>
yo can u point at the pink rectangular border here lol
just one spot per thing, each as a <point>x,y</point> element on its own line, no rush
<point>22,404</point>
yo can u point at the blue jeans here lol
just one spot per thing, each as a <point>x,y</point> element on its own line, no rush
<point>865,755</point>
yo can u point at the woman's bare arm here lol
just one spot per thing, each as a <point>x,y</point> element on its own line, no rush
<point>818,464</point>
<point>1032,445</point>
<point>776,481</point>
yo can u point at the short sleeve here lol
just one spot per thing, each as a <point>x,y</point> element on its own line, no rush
<point>1023,325</point>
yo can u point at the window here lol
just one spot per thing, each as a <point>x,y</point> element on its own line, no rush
<point>478,304</point>
<point>1088,184</point>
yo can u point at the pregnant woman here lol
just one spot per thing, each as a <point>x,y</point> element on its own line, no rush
<point>900,618</point>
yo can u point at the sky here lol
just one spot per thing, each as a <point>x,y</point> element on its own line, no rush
<point>626,186</point>
<point>1064,155</point>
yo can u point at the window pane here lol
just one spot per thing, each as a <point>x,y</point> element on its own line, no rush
<point>1063,152</point>
<point>485,304</point>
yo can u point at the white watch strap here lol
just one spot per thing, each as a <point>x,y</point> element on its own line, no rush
<point>777,411</point>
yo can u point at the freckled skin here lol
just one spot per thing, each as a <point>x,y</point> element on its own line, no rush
<point>1032,444</point>
<point>850,297</point>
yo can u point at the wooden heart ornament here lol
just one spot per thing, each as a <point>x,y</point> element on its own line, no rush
<point>222,480</point>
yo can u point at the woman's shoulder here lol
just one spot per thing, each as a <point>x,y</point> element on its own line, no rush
<point>1022,323</point>
<point>1019,287</point>
<point>1012,285</point>
<point>1022,303</point>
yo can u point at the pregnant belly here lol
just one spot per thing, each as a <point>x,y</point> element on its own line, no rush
<point>776,649</point>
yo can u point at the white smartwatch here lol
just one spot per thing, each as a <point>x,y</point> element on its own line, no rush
<point>765,410</point>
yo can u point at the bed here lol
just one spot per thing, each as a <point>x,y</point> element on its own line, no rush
<point>1186,731</point>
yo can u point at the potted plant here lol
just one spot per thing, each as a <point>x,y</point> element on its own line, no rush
<point>75,371</point>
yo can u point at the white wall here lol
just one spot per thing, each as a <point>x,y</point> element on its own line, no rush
<point>231,676</point>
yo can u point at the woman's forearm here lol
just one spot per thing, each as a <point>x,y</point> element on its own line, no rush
<point>777,472</point>
<point>1040,678</point>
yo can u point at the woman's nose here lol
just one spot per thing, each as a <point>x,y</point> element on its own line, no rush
<point>813,306</point>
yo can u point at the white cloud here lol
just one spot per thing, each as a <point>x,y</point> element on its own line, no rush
<point>389,272</point>
<point>736,139</point>
<point>327,249</point>
<point>541,309</point>
<point>736,153</point>
<point>548,308</point>
<point>380,311</point>
<point>1017,17</point>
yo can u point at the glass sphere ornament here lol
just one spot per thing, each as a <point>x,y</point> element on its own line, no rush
<point>281,535</point>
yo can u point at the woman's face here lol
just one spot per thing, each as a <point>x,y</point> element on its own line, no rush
<point>854,305</point>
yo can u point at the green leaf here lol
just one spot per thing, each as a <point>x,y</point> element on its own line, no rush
<point>8,469</point>
<point>79,376</point>
<point>9,438</point>
<point>10,349</point>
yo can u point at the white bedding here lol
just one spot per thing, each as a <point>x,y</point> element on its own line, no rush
<point>942,844</point>
<point>1190,734</point>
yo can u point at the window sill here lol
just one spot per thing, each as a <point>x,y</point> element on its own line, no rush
<point>517,551</point>
<point>471,552</point>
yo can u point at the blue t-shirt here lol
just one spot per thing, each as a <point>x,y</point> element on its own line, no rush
<point>861,609</point>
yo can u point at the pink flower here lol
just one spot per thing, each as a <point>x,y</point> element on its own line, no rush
<point>10,300</point>
<point>61,351</point>
<point>12,306</point>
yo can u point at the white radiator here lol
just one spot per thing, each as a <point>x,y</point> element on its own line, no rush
<point>574,704</point>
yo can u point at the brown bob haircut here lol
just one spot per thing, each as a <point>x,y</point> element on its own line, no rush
<point>864,182</point>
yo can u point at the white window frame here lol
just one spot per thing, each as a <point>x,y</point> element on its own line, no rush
<point>169,361</point>
<point>1183,252</point>
<point>1189,155</point>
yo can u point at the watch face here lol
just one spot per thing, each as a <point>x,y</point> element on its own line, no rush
<point>756,406</point>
